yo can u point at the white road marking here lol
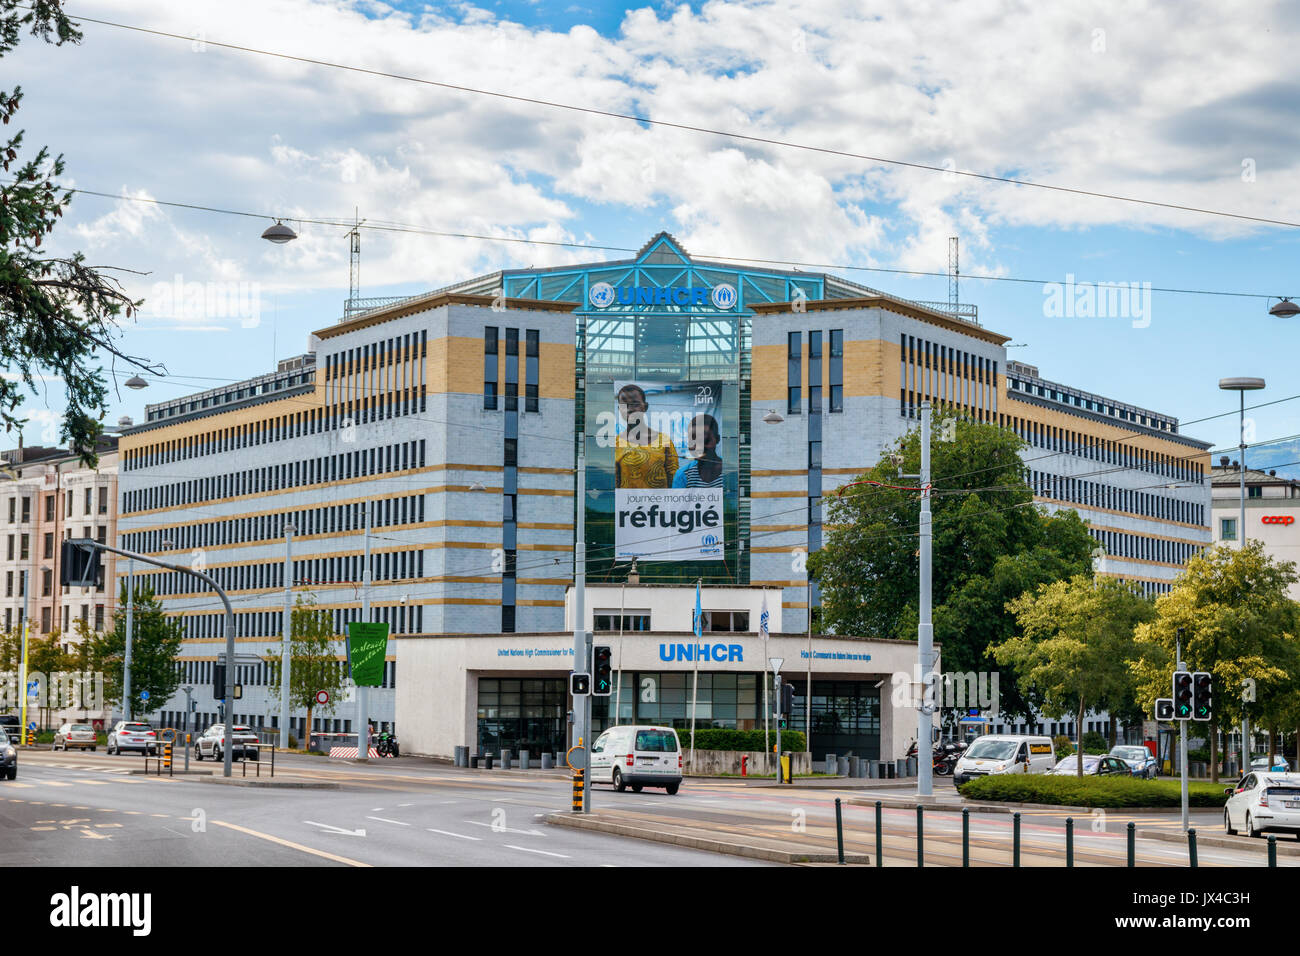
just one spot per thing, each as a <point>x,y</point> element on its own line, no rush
<point>542,852</point>
<point>385,820</point>
<point>459,836</point>
<point>498,829</point>
<point>333,829</point>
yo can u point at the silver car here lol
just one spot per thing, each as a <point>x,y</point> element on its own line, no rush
<point>78,736</point>
<point>132,735</point>
<point>212,743</point>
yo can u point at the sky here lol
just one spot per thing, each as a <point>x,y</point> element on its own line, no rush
<point>1182,104</point>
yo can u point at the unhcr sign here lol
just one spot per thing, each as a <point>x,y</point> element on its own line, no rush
<point>722,296</point>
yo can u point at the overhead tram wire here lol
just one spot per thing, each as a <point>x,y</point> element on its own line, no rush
<point>687,127</point>
<point>796,263</point>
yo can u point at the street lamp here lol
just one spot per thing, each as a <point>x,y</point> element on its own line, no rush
<point>279,234</point>
<point>1241,386</point>
<point>1285,309</point>
<point>136,382</point>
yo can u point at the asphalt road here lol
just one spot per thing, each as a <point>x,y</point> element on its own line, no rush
<point>87,809</point>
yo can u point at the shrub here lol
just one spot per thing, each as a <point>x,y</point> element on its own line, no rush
<point>709,738</point>
<point>1094,743</point>
<point>1090,791</point>
<point>1064,747</point>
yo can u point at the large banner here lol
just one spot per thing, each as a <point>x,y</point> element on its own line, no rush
<point>668,475</point>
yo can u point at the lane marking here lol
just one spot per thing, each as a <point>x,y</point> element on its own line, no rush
<point>289,843</point>
<point>93,783</point>
<point>459,836</point>
<point>542,852</point>
<point>386,820</point>
<point>494,827</point>
<point>329,826</point>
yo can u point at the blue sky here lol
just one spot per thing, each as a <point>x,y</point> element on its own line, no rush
<point>1180,106</point>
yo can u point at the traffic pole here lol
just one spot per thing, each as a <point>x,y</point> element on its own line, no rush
<point>925,626</point>
<point>286,638</point>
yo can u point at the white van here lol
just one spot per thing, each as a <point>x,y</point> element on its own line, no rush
<point>636,757</point>
<point>1004,753</point>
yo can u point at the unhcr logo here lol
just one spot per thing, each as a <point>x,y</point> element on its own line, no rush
<point>722,296</point>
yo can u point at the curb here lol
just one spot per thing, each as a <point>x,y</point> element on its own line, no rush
<point>895,804</point>
<point>1221,842</point>
<point>279,784</point>
<point>175,773</point>
<point>789,857</point>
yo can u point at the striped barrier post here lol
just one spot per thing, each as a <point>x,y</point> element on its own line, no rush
<point>577,790</point>
<point>167,757</point>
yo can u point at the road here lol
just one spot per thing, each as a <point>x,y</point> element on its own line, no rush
<point>88,809</point>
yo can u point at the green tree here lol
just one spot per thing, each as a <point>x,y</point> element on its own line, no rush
<point>991,544</point>
<point>1238,623</point>
<point>314,661</point>
<point>45,655</point>
<point>1075,642</point>
<point>154,646</point>
<point>60,315</point>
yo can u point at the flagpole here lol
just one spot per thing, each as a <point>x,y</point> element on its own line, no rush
<point>695,657</point>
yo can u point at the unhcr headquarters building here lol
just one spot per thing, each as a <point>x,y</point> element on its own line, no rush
<point>457,418</point>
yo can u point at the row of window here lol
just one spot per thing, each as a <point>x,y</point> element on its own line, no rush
<point>1066,441</point>
<point>491,347</point>
<point>940,373</point>
<point>270,624</point>
<point>1091,494</point>
<point>714,622</point>
<point>1092,404</point>
<point>794,372</point>
<point>1121,545</point>
<point>332,519</point>
<point>384,375</point>
<point>199,721</point>
<point>47,624</point>
<point>88,508</point>
<point>312,471</point>
<point>385,566</point>
<point>260,674</point>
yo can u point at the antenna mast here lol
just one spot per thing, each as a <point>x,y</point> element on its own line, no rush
<point>953,273</point>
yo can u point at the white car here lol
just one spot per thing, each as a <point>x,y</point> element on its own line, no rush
<point>1263,801</point>
<point>80,736</point>
<point>132,735</point>
<point>213,742</point>
<point>637,757</point>
<point>1280,764</point>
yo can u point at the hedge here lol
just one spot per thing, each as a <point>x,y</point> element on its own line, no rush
<point>1090,791</point>
<point>708,738</point>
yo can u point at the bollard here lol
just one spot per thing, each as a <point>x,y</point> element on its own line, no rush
<point>1272,849</point>
<point>855,767</point>
<point>880,841</point>
<point>965,836</point>
<point>920,835</point>
<point>1191,846</point>
<point>839,831</point>
<point>1132,848</point>
<point>187,753</point>
<point>832,765</point>
<point>473,762</point>
<point>459,757</point>
<point>842,766</point>
<point>167,756</point>
<point>577,790</point>
<point>546,762</point>
<point>505,760</point>
<point>524,759</point>
<point>487,761</point>
<point>873,769</point>
<point>1069,841</point>
<point>1015,843</point>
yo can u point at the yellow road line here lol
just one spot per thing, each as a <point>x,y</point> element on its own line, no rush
<point>289,843</point>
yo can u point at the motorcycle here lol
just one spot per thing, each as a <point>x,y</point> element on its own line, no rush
<point>943,758</point>
<point>386,744</point>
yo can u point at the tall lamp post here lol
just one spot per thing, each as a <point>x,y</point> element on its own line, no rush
<point>1241,386</point>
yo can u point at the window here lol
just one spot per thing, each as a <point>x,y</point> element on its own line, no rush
<point>89,492</point>
<point>49,507</point>
<point>794,373</point>
<point>27,509</point>
<point>1227,529</point>
<point>48,548</point>
<point>512,370</point>
<point>530,371</point>
<point>99,617</point>
<point>1256,492</point>
<point>814,372</point>
<point>837,370</point>
<point>490,348</point>
<point>103,500</point>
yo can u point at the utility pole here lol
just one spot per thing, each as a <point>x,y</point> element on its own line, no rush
<point>22,681</point>
<point>925,627</point>
<point>130,631</point>
<point>1182,735</point>
<point>581,663</point>
<point>188,689</point>
<point>363,693</point>
<point>286,645</point>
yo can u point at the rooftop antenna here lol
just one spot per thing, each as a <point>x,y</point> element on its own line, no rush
<point>354,264</point>
<point>953,273</point>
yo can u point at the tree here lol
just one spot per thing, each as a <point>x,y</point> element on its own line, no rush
<point>154,646</point>
<point>1075,644</point>
<point>57,311</point>
<point>45,655</point>
<point>1237,623</point>
<point>314,661</point>
<point>991,544</point>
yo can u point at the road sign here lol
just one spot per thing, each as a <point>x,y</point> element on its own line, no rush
<point>31,725</point>
<point>144,695</point>
<point>322,697</point>
<point>776,663</point>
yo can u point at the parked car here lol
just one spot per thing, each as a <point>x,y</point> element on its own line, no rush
<point>1139,759</point>
<point>1094,765</point>
<point>1004,753</point>
<point>212,743</point>
<point>1280,764</point>
<point>79,736</point>
<point>131,735</point>
<point>12,726</point>
<point>8,756</point>
<point>1263,801</point>
<point>637,757</point>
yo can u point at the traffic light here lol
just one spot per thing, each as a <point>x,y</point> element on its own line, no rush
<point>1164,708</point>
<point>602,656</point>
<point>79,566</point>
<point>579,685</point>
<point>1182,695</point>
<point>1202,696</point>
<point>219,681</point>
<point>787,703</point>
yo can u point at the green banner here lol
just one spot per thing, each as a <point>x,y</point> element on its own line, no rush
<point>367,647</point>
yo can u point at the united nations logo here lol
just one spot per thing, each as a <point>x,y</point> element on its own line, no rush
<point>601,295</point>
<point>708,544</point>
<point>724,296</point>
